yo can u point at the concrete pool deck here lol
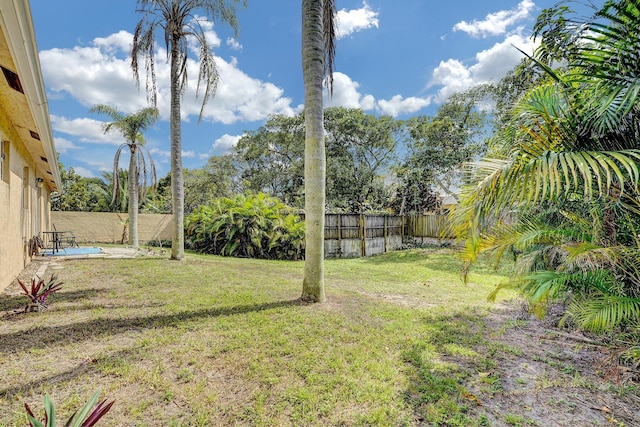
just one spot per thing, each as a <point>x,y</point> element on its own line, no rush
<point>39,265</point>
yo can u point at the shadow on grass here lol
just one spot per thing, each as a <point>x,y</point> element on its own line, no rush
<point>11,303</point>
<point>42,337</point>
<point>439,366</point>
<point>83,368</point>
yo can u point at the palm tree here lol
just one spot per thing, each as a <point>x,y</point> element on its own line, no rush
<point>131,128</point>
<point>571,161</point>
<point>318,51</point>
<point>179,25</point>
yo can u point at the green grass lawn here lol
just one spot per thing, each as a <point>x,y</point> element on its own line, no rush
<point>224,341</point>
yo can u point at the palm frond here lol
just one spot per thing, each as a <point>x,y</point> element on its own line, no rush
<point>604,313</point>
<point>329,35</point>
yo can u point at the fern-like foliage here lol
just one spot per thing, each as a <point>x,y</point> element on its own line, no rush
<point>561,193</point>
<point>602,313</point>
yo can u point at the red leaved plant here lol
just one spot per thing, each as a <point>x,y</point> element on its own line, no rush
<point>39,291</point>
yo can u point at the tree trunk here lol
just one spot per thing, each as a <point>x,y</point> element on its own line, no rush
<point>609,228</point>
<point>314,151</point>
<point>133,197</point>
<point>177,187</point>
<point>609,217</point>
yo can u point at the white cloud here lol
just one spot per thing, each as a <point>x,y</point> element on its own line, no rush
<point>63,145</point>
<point>352,21</point>
<point>493,63</point>
<point>399,105</point>
<point>85,129</point>
<point>239,97</point>
<point>92,75</point>
<point>453,76</point>
<point>490,65</point>
<point>120,41</point>
<point>101,74</point>
<point>496,23</point>
<point>210,35</point>
<point>346,94</point>
<point>225,143</point>
<point>234,44</point>
<point>189,154</point>
<point>102,166</point>
<point>221,146</point>
<point>83,172</point>
<point>160,156</point>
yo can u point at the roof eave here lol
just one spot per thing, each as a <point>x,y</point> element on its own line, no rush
<point>16,18</point>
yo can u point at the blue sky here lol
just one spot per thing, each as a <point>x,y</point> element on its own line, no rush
<point>399,58</point>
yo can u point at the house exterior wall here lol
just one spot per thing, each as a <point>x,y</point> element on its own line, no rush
<point>24,208</point>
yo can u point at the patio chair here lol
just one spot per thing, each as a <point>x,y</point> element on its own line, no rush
<point>66,239</point>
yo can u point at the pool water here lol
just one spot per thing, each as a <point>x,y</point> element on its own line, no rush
<point>72,251</point>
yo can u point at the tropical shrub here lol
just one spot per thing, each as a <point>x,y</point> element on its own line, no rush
<point>563,255</point>
<point>561,190</point>
<point>84,417</point>
<point>247,225</point>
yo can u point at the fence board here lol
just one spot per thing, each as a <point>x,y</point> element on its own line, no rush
<point>355,235</point>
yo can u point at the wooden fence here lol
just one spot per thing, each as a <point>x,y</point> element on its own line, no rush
<point>429,226</point>
<point>359,235</point>
<point>346,235</point>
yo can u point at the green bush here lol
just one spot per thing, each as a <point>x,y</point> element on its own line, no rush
<point>246,225</point>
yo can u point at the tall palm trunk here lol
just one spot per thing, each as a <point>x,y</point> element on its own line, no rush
<point>133,197</point>
<point>177,187</point>
<point>314,152</point>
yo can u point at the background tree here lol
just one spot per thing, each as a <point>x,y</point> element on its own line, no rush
<point>318,51</point>
<point>437,149</point>
<point>131,128</point>
<point>218,178</point>
<point>441,144</point>
<point>361,152</point>
<point>415,193</point>
<point>77,194</point>
<point>271,158</point>
<point>110,202</point>
<point>178,21</point>
<point>159,199</point>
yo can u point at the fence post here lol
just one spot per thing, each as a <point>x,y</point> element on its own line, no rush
<point>363,236</point>
<point>385,233</point>
<point>339,227</point>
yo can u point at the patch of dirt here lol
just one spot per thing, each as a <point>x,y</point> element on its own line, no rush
<point>547,376</point>
<point>544,375</point>
<point>16,301</point>
<point>25,276</point>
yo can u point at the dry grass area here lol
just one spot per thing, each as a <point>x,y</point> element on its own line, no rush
<point>220,341</point>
